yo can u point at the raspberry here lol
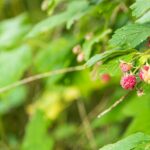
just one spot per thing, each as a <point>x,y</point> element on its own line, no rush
<point>76,49</point>
<point>125,67</point>
<point>142,70</point>
<point>105,77</point>
<point>80,57</point>
<point>144,73</point>
<point>128,82</point>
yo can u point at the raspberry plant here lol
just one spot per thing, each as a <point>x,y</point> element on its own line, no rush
<point>65,62</point>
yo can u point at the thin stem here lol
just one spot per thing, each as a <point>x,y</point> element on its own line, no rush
<point>112,106</point>
<point>86,125</point>
<point>40,76</point>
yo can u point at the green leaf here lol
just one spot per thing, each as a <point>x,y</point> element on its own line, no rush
<point>75,10</point>
<point>140,7</point>
<point>81,6</point>
<point>12,98</point>
<point>107,55</point>
<point>143,146</point>
<point>128,143</point>
<point>87,46</point>
<point>140,123</point>
<point>141,119</point>
<point>131,35</point>
<point>13,30</point>
<point>145,18</point>
<point>36,136</point>
<point>13,64</point>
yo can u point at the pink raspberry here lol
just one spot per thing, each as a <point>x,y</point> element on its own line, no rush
<point>125,67</point>
<point>105,77</point>
<point>142,71</point>
<point>128,82</point>
<point>80,57</point>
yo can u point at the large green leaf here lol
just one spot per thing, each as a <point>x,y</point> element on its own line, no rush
<point>131,35</point>
<point>13,30</point>
<point>128,143</point>
<point>13,64</point>
<point>36,137</point>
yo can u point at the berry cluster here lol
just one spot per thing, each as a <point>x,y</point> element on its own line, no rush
<point>77,51</point>
<point>129,79</point>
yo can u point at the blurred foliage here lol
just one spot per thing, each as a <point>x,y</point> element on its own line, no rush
<point>60,112</point>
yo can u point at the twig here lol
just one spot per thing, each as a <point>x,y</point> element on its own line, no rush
<point>86,125</point>
<point>40,76</point>
<point>112,106</point>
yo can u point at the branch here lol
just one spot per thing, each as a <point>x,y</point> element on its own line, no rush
<point>112,106</point>
<point>40,76</point>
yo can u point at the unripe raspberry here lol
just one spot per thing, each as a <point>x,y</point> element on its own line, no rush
<point>80,57</point>
<point>144,73</point>
<point>128,82</point>
<point>76,49</point>
<point>105,77</point>
<point>125,67</point>
<point>140,92</point>
<point>89,36</point>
